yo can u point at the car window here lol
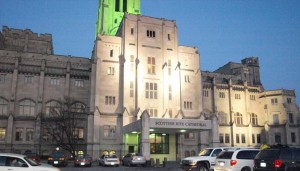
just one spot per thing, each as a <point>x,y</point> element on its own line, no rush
<point>297,155</point>
<point>247,154</point>
<point>286,154</point>
<point>216,152</point>
<point>225,155</point>
<point>268,154</point>
<point>2,160</point>
<point>205,152</point>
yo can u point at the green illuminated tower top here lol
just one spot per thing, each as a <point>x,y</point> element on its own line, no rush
<point>111,12</point>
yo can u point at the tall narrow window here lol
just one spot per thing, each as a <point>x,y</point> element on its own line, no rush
<point>227,138</point>
<point>293,137</point>
<point>131,89</point>
<point>54,81</point>
<point>243,138</point>
<point>79,83</point>
<point>110,71</point>
<point>2,134</point>
<point>205,93</point>
<point>237,138</point>
<point>170,113</point>
<point>3,106</point>
<point>170,92</point>
<point>151,65</point>
<point>188,105</point>
<point>110,100</point>
<point>237,96</point>
<point>221,138</point>
<point>29,134</point>
<point>289,100</point>
<point>111,53</point>
<point>131,63</point>
<point>28,79</point>
<point>274,101</point>
<point>125,6</point>
<point>117,5</point>
<point>2,78</point>
<point>238,118</point>
<point>275,119</point>
<point>79,133</point>
<point>278,138</point>
<point>221,95</point>
<point>254,119</point>
<point>258,138</point>
<point>253,138</point>
<point>187,78</point>
<point>169,37</point>
<point>291,118</point>
<point>132,31</point>
<point>151,33</point>
<point>152,112</point>
<point>169,67</point>
<point>19,134</point>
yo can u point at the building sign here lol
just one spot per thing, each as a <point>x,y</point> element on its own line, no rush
<point>180,123</point>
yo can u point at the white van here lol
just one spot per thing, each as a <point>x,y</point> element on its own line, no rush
<point>236,160</point>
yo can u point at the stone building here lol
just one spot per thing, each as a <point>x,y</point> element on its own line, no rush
<point>141,91</point>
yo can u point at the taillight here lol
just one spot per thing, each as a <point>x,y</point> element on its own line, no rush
<point>61,158</point>
<point>277,163</point>
<point>50,158</point>
<point>233,162</point>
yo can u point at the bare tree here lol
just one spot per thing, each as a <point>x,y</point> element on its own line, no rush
<point>62,121</point>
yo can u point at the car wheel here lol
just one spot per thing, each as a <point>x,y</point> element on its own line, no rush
<point>202,167</point>
<point>75,165</point>
<point>246,169</point>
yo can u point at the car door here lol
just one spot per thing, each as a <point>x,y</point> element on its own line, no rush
<point>13,164</point>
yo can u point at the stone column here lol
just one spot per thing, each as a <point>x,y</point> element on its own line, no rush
<point>215,132</point>
<point>145,142</point>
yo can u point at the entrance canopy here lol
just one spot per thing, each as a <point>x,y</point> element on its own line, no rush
<point>162,125</point>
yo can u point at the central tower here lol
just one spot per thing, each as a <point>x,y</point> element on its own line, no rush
<point>111,12</point>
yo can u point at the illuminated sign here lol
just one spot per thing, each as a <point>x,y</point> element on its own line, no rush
<point>180,123</point>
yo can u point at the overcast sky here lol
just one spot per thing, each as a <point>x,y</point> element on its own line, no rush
<point>222,30</point>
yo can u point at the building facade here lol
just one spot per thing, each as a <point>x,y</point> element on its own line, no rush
<point>140,91</point>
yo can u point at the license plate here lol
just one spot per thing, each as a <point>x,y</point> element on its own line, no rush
<point>82,163</point>
<point>221,163</point>
<point>112,163</point>
<point>263,164</point>
<point>55,162</point>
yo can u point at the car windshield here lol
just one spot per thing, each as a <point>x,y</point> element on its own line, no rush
<point>31,162</point>
<point>205,152</point>
<point>57,154</point>
<point>111,156</point>
<point>225,155</point>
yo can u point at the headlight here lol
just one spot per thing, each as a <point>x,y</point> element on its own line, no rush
<point>192,163</point>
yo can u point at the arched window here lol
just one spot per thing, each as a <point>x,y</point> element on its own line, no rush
<point>3,106</point>
<point>222,117</point>
<point>78,107</point>
<point>238,118</point>
<point>254,120</point>
<point>26,107</point>
<point>193,153</point>
<point>53,108</point>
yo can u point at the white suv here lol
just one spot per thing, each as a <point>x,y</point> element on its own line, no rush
<point>236,160</point>
<point>18,162</point>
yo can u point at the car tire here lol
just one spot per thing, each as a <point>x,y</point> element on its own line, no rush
<point>246,169</point>
<point>202,167</point>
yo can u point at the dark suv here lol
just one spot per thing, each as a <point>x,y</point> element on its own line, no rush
<point>278,159</point>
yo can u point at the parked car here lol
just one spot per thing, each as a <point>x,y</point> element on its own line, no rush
<point>83,160</point>
<point>236,160</point>
<point>109,160</point>
<point>278,159</point>
<point>33,156</point>
<point>134,159</point>
<point>58,159</point>
<point>19,162</point>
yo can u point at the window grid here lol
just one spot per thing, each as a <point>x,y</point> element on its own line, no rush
<point>54,81</point>
<point>19,134</point>
<point>150,33</point>
<point>110,100</point>
<point>151,90</point>
<point>3,106</point>
<point>110,71</point>
<point>79,83</point>
<point>109,131</point>
<point>238,118</point>
<point>3,78</point>
<point>221,95</point>
<point>151,65</point>
<point>28,79</point>
<point>29,134</point>
<point>152,112</point>
<point>2,134</point>
<point>188,105</point>
<point>274,101</point>
<point>26,108</point>
<point>254,119</point>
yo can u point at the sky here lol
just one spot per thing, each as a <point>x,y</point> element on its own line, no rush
<point>223,30</point>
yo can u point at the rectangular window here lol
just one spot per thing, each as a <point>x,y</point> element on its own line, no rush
<point>19,134</point>
<point>252,97</point>
<point>170,92</point>
<point>151,90</point>
<point>159,143</point>
<point>227,137</point>
<point>131,63</point>
<point>131,31</point>
<point>46,134</point>
<point>291,118</point>
<point>275,119</point>
<point>169,67</point>
<point>170,113</point>
<point>237,96</point>
<point>54,81</point>
<point>253,138</point>
<point>278,138</point>
<point>110,100</point>
<point>152,112</point>
<point>274,101</point>
<point>221,95</point>
<point>258,138</point>
<point>205,93</point>
<point>221,137</point>
<point>2,78</point>
<point>243,138</point>
<point>2,134</point>
<point>189,136</point>
<point>110,71</point>
<point>237,138</point>
<point>29,134</point>
<point>79,83</point>
<point>28,79</point>
<point>111,53</point>
<point>131,89</point>
<point>188,105</point>
<point>293,137</point>
<point>79,133</point>
<point>187,78</point>
<point>151,65</point>
<point>169,37</point>
<point>289,100</point>
<point>109,131</point>
<point>151,33</point>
